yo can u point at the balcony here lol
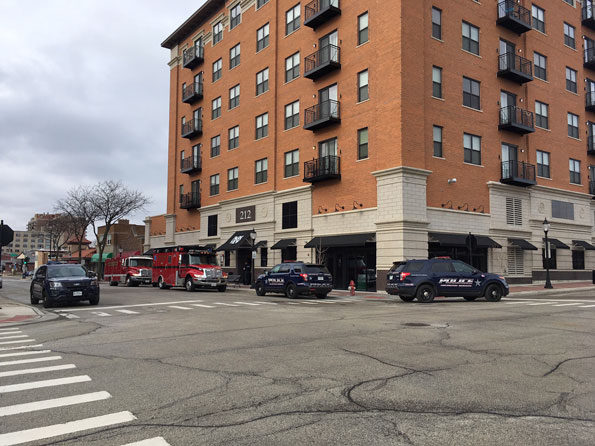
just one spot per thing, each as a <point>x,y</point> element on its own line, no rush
<point>322,115</point>
<point>515,68</point>
<point>323,61</point>
<point>192,93</point>
<point>591,145</point>
<point>319,11</point>
<point>193,56</point>
<point>590,101</point>
<point>191,200</point>
<point>518,173</point>
<point>589,61</point>
<point>515,119</point>
<point>191,164</point>
<point>589,14</point>
<point>513,16</point>
<point>321,169</point>
<point>192,128</point>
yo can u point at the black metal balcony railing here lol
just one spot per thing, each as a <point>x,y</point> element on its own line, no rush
<point>191,164</point>
<point>589,61</point>
<point>592,188</point>
<point>516,119</point>
<point>515,68</point>
<point>326,59</point>
<point>513,16</point>
<point>322,115</point>
<point>589,14</point>
<point>590,101</point>
<point>192,92</point>
<point>191,200</point>
<point>518,173</point>
<point>323,168</point>
<point>192,128</point>
<point>591,145</point>
<point>193,56</point>
<point>319,11</point>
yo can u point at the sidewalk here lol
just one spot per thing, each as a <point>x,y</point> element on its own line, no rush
<point>13,312</point>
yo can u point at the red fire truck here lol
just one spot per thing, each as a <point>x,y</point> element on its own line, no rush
<point>190,267</point>
<point>131,269</point>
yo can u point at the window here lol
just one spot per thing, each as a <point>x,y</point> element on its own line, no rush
<point>543,164</point>
<point>578,259</point>
<point>262,125</point>
<point>362,143</point>
<point>260,171</point>
<point>235,16</point>
<point>292,115</point>
<point>572,125</point>
<point>217,33</point>
<point>234,56</point>
<point>362,28</point>
<point>289,215</point>
<point>232,178</point>
<point>563,209</point>
<point>214,188</point>
<point>292,163</point>
<point>538,15</point>
<point>472,148</point>
<point>212,225</point>
<point>262,81</point>
<point>362,86</point>
<point>470,38</point>
<point>515,262</point>
<point>571,80</point>
<point>437,82</point>
<point>575,171</point>
<point>262,37</point>
<point>215,145</point>
<point>216,108</point>
<point>264,256</point>
<point>570,2</point>
<point>217,65</point>
<point>292,19</point>
<point>261,3</point>
<point>437,137</point>
<point>540,62</point>
<point>471,96</point>
<point>569,36</point>
<point>292,67</point>
<point>514,211</point>
<point>541,115</point>
<point>234,96</point>
<point>234,137</point>
<point>436,23</point>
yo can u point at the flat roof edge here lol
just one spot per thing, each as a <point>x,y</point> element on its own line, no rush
<point>192,22</point>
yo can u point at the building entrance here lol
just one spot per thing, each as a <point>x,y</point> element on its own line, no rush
<point>353,263</point>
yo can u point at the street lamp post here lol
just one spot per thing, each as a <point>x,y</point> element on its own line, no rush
<point>546,229</point>
<point>252,255</point>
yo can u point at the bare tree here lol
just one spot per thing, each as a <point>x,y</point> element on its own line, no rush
<point>321,253</point>
<point>58,229</point>
<point>111,201</point>
<point>78,206</point>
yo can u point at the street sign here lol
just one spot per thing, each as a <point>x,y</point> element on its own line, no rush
<point>6,234</point>
<point>254,254</point>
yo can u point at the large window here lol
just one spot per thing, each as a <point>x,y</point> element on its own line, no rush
<point>292,163</point>
<point>362,28</point>
<point>234,137</point>
<point>262,81</point>
<point>217,32</point>
<point>292,115</point>
<point>215,146</point>
<point>472,148</point>
<point>541,115</point>
<point>572,125</point>
<point>217,66</point>
<point>470,38</point>
<point>540,62</point>
<point>262,37</point>
<point>216,108</point>
<point>235,16</point>
<point>437,138</point>
<point>362,86</point>
<point>436,23</point>
<point>292,19</point>
<point>575,171</point>
<point>232,178</point>
<point>437,82</point>
<point>538,16</point>
<point>260,171</point>
<point>471,93</point>
<point>214,185</point>
<point>212,225</point>
<point>234,96</point>
<point>571,80</point>
<point>262,125</point>
<point>543,164</point>
<point>289,215</point>
<point>362,143</point>
<point>292,67</point>
<point>569,39</point>
<point>578,259</point>
<point>234,56</point>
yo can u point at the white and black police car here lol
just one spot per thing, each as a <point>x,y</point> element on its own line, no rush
<point>426,279</point>
<point>295,278</point>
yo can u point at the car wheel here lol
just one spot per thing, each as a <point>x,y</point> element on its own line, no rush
<point>407,298</point>
<point>113,283</point>
<point>469,298</point>
<point>161,284</point>
<point>34,300</point>
<point>259,287</point>
<point>425,293</point>
<point>222,289</point>
<point>321,295</point>
<point>291,291</point>
<point>94,300</point>
<point>188,284</point>
<point>493,293</point>
<point>129,281</point>
<point>48,302</point>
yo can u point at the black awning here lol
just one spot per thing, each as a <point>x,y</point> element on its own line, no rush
<point>260,244</point>
<point>211,245</point>
<point>523,244</point>
<point>336,241</point>
<point>239,239</point>
<point>460,240</point>
<point>483,241</point>
<point>582,244</point>
<point>557,243</point>
<point>284,243</point>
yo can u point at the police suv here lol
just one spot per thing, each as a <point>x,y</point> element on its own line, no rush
<point>295,278</point>
<point>426,279</point>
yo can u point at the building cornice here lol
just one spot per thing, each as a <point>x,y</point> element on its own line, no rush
<point>546,189</point>
<point>402,170</point>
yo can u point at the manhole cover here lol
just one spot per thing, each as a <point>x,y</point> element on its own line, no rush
<point>416,324</point>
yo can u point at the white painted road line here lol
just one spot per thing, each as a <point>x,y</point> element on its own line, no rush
<point>10,329</point>
<point>203,306</point>
<point>550,300</point>
<point>127,311</point>
<point>71,316</point>
<point>265,303</point>
<point>515,303</point>
<point>567,305</point>
<point>45,383</point>
<point>309,303</point>
<point>3,349</point>
<point>71,427</point>
<point>17,342</point>
<point>101,313</point>
<point>587,306</point>
<point>13,337</point>
<point>53,403</point>
<point>53,368</point>
<point>70,310</point>
<point>291,303</point>
<point>541,303</point>
<point>29,361</point>
<point>225,304</point>
<point>155,441</point>
<point>246,303</point>
<point>36,352</point>
<point>177,307</point>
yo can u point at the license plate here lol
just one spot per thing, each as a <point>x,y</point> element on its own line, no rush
<point>77,293</point>
<point>320,278</point>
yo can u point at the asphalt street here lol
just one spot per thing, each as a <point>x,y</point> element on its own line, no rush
<point>157,367</point>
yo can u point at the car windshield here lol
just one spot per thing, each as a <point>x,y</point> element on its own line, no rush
<point>141,262</point>
<point>203,259</point>
<point>313,269</point>
<point>66,271</point>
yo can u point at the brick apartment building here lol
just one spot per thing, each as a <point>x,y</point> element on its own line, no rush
<point>370,132</point>
<point>122,237</point>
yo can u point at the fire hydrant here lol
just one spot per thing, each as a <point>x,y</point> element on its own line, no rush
<point>352,288</point>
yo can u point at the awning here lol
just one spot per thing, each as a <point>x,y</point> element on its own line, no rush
<point>239,239</point>
<point>460,240</point>
<point>211,245</point>
<point>95,257</point>
<point>336,241</point>
<point>582,244</point>
<point>557,243</point>
<point>284,243</point>
<point>261,244</point>
<point>523,244</point>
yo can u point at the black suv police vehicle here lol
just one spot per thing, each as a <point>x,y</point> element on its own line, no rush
<point>61,282</point>
<point>295,278</point>
<point>426,279</point>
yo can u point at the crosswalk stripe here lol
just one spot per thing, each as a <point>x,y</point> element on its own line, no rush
<point>309,303</point>
<point>587,306</point>
<point>225,304</point>
<point>101,313</point>
<point>71,316</point>
<point>10,332</point>
<point>177,307</point>
<point>128,311</point>
<point>53,368</point>
<point>113,307</point>
<point>14,337</point>
<point>246,303</point>
<point>291,303</point>
<point>35,352</point>
<point>71,427</point>
<point>567,305</point>
<point>53,403</point>
<point>23,341</point>
<point>20,347</point>
<point>29,361</point>
<point>515,303</point>
<point>9,329</point>
<point>203,306</point>
<point>155,441</point>
<point>541,303</point>
<point>265,303</point>
<point>44,383</point>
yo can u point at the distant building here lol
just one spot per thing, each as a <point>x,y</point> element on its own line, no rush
<point>123,236</point>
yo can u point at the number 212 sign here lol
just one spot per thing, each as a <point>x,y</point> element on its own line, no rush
<point>245,214</point>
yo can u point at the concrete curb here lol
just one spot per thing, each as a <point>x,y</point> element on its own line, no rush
<point>41,316</point>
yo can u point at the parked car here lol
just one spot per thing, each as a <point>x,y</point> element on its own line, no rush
<point>426,279</point>
<point>295,278</point>
<point>56,283</point>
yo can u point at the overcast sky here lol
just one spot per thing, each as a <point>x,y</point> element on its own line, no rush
<point>83,97</point>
